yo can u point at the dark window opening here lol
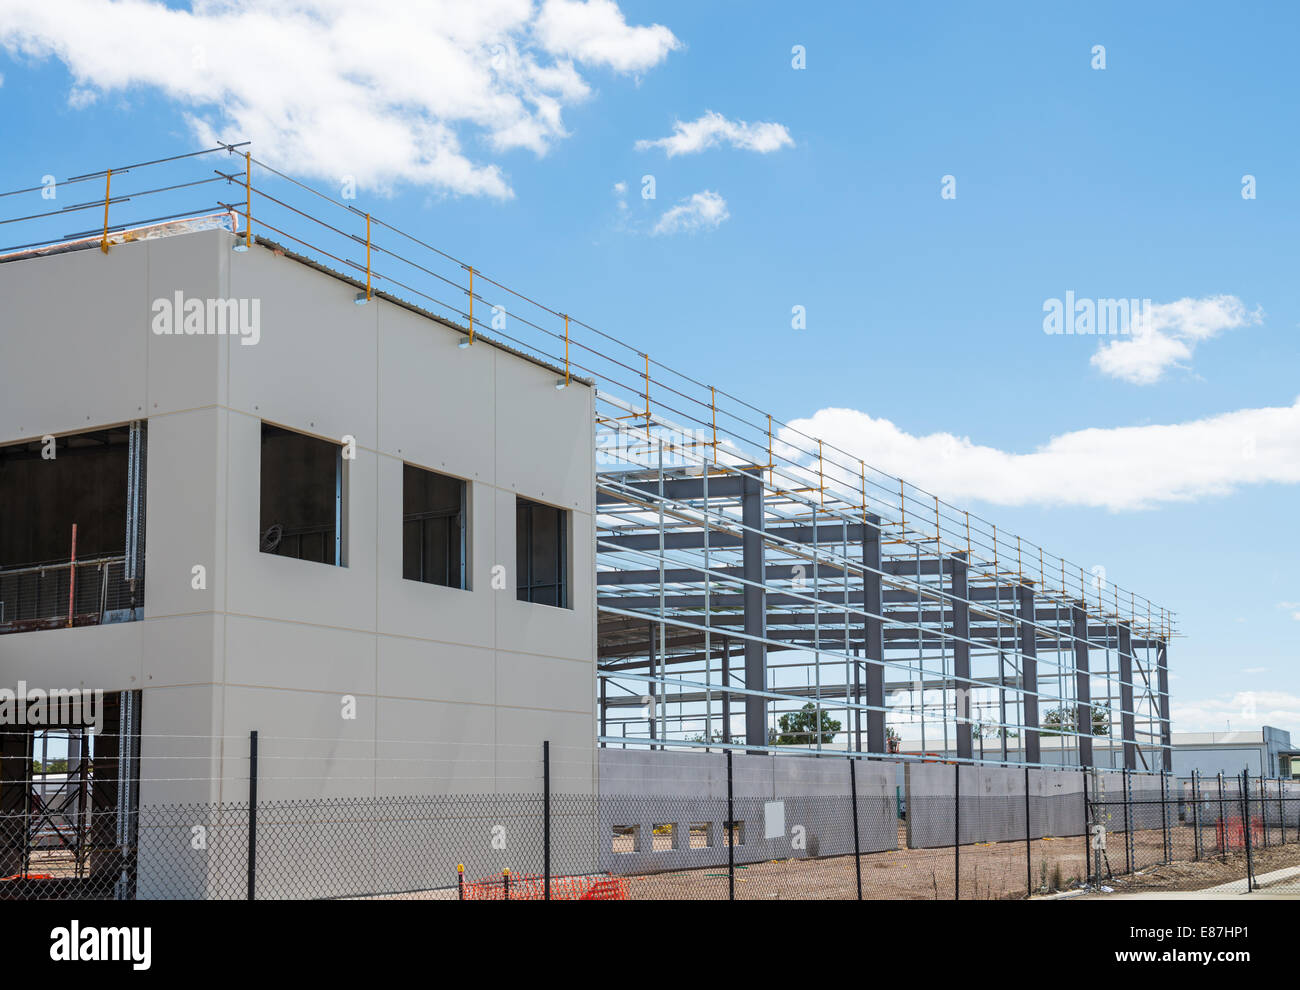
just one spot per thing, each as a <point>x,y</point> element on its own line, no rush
<point>93,482</point>
<point>433,528</point>
<point>302,496</point>
<point>541,553</point>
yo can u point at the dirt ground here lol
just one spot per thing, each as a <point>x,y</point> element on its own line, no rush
<point>987,871</point>
<point>1207,872</point>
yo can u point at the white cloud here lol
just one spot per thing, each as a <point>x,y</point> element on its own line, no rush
<point>705,210</point>
<point>1167,333</point>
<point>1292,607</point>
<point>1132,467</point>
<point>596,33</point>
<point>384,92</point>
<point>710,129</point>
<point>1244,710</point>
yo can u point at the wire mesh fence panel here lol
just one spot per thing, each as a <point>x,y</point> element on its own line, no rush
<point>691,828</point>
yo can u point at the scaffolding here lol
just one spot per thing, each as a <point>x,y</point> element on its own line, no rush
<point>755,585</point>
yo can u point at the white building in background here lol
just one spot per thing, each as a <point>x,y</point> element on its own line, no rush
<point>1261,751</point>
<point>368,542</point>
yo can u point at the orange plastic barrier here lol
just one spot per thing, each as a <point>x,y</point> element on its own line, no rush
<point>532,887</point>
<point>1232,833</point>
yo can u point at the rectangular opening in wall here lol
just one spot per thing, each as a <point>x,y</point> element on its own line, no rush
<point>541,553</point>
<point>93,481</point>
<point>626,839</point>
<point>434,539</point>
<point>701,835</point>
<point>665,836</point>
<point>302,496</point>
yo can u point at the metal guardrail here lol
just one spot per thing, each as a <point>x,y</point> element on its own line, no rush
<point>36,596</point>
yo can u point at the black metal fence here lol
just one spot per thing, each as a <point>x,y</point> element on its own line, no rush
<point>970,833</point>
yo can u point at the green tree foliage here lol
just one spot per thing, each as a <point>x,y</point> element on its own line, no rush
<point>801,728</point>
<point>1060,721</point>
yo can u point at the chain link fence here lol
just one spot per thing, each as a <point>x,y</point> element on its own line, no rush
<point>697,827</point>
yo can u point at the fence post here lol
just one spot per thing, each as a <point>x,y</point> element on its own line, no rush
<point>1164,815</point>
<point>1029,847</point>
<point>857,849</point>
<point>546,817</point>
<point>252,814</point>
<point>1263,808</point>
<point>1281,806</point>
<point>730,829</point>
<point>1128,826</point>
<point>956,832</point>
<point>1196,817</point>
<point>1087,838</point>
<point>1223,825</point>
<point>1245,827</point>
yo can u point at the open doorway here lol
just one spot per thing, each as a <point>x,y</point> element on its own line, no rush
<point>69,804</point>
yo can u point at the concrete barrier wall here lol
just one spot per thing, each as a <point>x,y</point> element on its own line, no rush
<point>785,807</point>
<point>990,804</point>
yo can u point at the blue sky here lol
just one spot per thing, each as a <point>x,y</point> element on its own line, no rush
<point>922,311</point>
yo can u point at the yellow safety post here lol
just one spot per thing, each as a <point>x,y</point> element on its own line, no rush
<point>713,412</point>
<point>367,257</point>
<point>248,198</point>
<point>968,553</point>
<point>771,461</point>
<point>471,304</point>
<point>647,393</point>
<point>566,349</point>
<point>862,465</point>
<point>108,186</point>
<point>821,476</point>
<point>938,543</point>
<point>902,509</point>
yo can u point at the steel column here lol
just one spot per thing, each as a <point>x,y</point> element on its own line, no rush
<point>1166,742</point>
<point>961,655</point>
<point>875,642</point>
<point>1127,720</point>
<point>1082,684</point>
<point>1029,673</point>
<point>751,512</point>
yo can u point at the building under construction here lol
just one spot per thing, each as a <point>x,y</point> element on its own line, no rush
<point>688,570</point>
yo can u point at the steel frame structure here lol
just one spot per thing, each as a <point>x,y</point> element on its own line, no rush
<point>744,568</point>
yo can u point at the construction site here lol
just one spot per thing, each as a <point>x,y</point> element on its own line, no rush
<point>707,602</point>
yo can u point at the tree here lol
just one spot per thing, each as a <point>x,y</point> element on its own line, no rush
<point>1060,721</point>
<point>801,728</point>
